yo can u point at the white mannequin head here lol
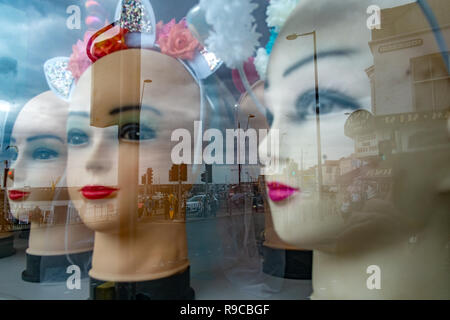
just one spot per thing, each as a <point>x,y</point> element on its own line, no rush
<point>300,216</point>
<point>39,143</point>
<point>112,142</point>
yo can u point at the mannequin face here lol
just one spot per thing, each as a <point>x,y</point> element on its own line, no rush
<point>39,151</point>
<point>112,142</point>
<point>302,217</point>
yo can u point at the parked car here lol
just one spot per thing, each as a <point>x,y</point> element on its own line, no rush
<point>195,204</point>
<point>202,205</point>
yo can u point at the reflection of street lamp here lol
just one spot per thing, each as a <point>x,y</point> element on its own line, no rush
<point>316,78</point>
<point>143,88</point>
<point>250,116</point>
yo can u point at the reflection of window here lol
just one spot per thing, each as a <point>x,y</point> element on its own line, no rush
<point>426,139</point>
<point>431,83</point>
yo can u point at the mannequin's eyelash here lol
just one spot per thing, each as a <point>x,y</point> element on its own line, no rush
<point>44,153</point>
<point>136,132</point>
<point>329,100</point>
<point>77,137</point>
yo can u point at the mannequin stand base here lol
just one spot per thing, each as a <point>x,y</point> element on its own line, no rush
<point>53,268</point>
<point>24,234</point>
<point>7,247</point>
<point>288,264</point>
<point>176,287</point>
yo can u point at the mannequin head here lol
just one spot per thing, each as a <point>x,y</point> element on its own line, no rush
<point>112,140</point>
<point>330,220</point>
<point>39,144</point>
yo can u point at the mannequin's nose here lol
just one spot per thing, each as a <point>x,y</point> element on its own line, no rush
<point>102,156</point>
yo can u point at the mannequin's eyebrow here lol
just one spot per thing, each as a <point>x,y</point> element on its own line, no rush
<point>321,55</point>
<point>44,136</point>
<point>79,114</point>
<point>133,108</point>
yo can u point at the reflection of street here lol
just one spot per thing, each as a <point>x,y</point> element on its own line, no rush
<point>217,242</point>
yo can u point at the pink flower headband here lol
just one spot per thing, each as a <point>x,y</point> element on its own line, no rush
<point>174,39</point>
<point>135,27</point>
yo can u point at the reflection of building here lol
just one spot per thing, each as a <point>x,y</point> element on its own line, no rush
<point>349,164</point>
<point>410,97</point>
<point>410,85</point>
<point>409,74</point>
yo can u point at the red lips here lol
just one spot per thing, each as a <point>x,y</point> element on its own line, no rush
<point>17,194</point>
<point>96,192</point>
<point>279,192</point>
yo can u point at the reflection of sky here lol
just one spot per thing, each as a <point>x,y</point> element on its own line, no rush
<point>33,31</point>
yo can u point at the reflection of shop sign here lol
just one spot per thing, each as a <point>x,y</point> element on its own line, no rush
<point>400,45</point>
<point>379,173</point>
<point>366,145</point>
<point>359,122</point>
<point>405,118</point>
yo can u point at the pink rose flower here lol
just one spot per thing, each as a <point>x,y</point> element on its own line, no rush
<point>176,40</point>
<point>79,61</point>
<point>162,30</point>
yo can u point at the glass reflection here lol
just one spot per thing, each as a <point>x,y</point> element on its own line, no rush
<point>361,177</point>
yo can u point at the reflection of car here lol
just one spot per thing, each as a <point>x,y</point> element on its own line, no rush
<point>158,196</point>
<point>195,204</point>
<point>258,203</point>
<point>201,204</point>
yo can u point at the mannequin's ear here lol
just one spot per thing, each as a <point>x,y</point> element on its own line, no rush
<point>137,17</point>
<point>59,79</point>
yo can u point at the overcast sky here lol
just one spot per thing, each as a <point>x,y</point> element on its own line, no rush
<point>34,31</point>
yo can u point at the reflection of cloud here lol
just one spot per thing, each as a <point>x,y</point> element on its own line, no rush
<point>4,106</point>
<point>8,65</point>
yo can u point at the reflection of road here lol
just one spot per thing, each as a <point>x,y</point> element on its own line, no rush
<point>215,241</point>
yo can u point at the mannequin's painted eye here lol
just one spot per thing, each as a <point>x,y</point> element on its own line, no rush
<point>44,154</point>
<point>136,132</point>
<point>329,101</point>
<point>76,137</point>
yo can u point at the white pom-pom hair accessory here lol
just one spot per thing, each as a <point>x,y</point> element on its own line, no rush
<point>228,29</point>
<point>233,37</point>
<point>278,11</point>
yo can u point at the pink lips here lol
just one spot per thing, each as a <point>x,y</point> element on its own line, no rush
<point>279,192</point>
<point>97,192</point>
<point>17,195</point>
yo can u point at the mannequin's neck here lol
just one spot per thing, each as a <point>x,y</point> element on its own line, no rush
<point>59,239</point>
<point>415,266</point>
<point>150,251</point>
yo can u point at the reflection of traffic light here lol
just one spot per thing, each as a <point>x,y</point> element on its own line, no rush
<point>208,168</point>
<point>206,176</point>
<point>150,176</point>
<point>144,179</point>
<point>183,172</point>
<point>174,173</point>
<point>7,174</point>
